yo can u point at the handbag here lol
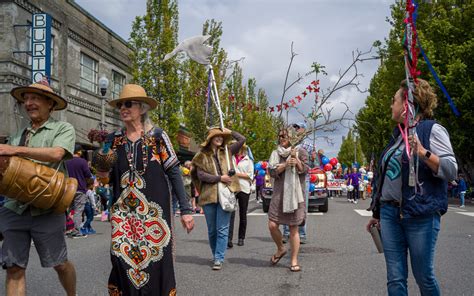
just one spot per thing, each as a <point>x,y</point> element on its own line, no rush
<point>226,197</point>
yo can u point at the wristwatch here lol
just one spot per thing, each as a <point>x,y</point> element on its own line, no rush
<point>427,155</point>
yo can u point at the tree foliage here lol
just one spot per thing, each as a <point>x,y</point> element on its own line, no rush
<point>446,32</point>
<point>153,35</point>
<point>348,147</point>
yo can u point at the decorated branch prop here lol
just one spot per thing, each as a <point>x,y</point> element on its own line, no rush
<point>199,52</point>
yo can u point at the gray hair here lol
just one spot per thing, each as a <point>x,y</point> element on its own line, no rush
<point>145,119</point>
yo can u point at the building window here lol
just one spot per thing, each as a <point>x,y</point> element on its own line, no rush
<point>118,82</point>
<point>89,73</point>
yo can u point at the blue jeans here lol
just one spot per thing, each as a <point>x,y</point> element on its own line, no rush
<point>414,235</point>
<point>461,196</point>
<point>89,212</point>
<point>301,230</point>
<point>217,229</point>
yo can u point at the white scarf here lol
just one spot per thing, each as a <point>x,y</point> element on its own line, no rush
<point>292,193</point>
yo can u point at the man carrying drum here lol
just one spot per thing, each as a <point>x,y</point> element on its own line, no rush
<point>48,142</point>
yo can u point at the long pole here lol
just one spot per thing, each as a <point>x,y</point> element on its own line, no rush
<point>102,113</point>
<point>215,98</point>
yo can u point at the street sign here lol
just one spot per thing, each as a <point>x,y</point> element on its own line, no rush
<point>41,47</point>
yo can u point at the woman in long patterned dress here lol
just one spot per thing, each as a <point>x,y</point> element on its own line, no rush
<point>141,217</point>
<point>288,167</point>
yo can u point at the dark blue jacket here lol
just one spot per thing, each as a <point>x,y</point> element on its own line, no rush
<point>432,198</point>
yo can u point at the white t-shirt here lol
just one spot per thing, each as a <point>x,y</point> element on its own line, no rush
<point>245,166</point>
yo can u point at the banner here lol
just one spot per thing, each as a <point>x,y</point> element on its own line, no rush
<point>335,184</point>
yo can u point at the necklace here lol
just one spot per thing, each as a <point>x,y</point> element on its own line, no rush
<point>132,153</point>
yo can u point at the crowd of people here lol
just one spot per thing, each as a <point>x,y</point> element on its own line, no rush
<point>141,186</point>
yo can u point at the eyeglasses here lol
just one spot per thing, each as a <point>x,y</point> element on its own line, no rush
<point>126,104</point>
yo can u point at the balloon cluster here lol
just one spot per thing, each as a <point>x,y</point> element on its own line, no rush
<point>329,164</point>
<point>313,179</point>
<point>260,168</point>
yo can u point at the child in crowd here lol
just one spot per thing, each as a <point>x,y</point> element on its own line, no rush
<point>89,209</point>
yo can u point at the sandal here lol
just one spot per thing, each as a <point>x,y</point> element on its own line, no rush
<point>295,268</point>
<point>275,259</point>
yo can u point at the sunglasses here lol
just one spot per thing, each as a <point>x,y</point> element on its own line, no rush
<point>282,136</point>
<point>126,104</point>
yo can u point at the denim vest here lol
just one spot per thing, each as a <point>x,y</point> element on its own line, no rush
<point>433,195</point>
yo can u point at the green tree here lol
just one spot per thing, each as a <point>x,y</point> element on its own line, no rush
<point>445,30</point>
<point>153,35</point>
<point>348,147</point>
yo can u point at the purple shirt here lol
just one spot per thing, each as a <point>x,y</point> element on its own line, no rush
<point>79,169</point>
<point>354,179</point>
<point>259,180</point>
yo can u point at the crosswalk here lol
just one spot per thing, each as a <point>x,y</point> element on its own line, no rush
<point>453,209</point>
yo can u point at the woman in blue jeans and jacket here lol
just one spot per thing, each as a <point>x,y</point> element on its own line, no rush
<point>210,168</point>
<point>409,217</point>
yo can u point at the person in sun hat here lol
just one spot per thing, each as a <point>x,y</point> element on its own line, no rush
<point>49,142</point>
<point>140,161</point>
<point>209,168</point>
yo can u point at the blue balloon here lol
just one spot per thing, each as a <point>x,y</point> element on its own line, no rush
<point>261,172</point>
<point>258,166</point>
<point>324,160</point>
<point>312,187</point>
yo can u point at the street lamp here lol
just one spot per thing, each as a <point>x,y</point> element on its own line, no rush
<point>354,133</point>
<point>103,85</point>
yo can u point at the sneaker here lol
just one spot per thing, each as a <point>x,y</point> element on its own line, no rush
<point>240,242</point>
<point>463,206</point>
<point>91,231</point>
<point>355,201</point>
<point>303,240</point>
<point>217,265</point>
<point>77,234</point>
<point>84,231</point>
<point>285,238</point>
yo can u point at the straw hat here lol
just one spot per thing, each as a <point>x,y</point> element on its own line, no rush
<point>134,92</point>
<point>216,131</point>
<point>41,88</point>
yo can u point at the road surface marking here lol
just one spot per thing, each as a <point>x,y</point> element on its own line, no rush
<point>265,214</point>
<point>457,209</point>
<point>364,213</point>
<point>471,214</point>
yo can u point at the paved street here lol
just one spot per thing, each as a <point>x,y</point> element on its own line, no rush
<point>339,259</point>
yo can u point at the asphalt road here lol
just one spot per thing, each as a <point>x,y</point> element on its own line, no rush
<point>339,259</point>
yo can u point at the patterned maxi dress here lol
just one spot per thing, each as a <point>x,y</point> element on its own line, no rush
<point>141,248</point>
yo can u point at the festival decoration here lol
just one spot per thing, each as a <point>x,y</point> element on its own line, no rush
<point>199,52</point>
<point>327,167</point>
<point>313,178</point>
<point>324,160</point>
<point>312,187</point>
<point>258,166</point>
<point>264,165</point>
<point>261,172</point>
<point>333,161</point>
<point>312,87</point>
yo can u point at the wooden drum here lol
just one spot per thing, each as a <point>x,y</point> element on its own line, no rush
<point>32,183</point>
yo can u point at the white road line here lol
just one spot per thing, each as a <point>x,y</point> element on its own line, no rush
<point>265,214</point>
<point>471,214</point>
<point>364,213</point>
<point>457,209</point>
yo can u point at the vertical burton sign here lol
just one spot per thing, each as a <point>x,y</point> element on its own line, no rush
<point>41,47</point>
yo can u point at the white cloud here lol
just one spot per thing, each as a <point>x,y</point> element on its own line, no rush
<point>323,31</point>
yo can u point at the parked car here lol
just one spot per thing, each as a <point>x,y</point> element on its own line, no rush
<point>318,198</point>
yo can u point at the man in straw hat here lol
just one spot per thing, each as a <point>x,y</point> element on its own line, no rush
<point>49,142</point>
<point>144,166</point>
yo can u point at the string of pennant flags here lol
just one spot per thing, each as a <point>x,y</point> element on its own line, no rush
<point>313,87</point>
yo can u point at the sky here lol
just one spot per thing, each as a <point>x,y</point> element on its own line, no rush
<point>261,32</point>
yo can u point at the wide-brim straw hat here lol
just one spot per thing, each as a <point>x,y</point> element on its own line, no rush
<point>217,131</point>
<point>41,88</point>
<point>134,92</point>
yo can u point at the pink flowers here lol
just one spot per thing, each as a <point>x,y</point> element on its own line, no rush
<point>133,228</point>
